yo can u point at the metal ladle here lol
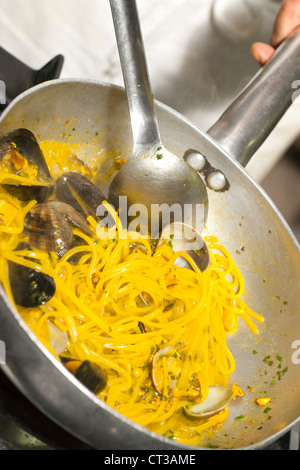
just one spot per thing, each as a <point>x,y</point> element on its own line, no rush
<point>151,176</point>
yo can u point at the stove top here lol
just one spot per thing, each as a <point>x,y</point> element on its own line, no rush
<point>24,427</point>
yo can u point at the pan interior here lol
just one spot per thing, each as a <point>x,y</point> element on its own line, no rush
<point>243,218</point>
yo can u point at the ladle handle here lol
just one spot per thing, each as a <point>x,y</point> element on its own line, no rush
<point>135,74</point>
<point>248,121</point>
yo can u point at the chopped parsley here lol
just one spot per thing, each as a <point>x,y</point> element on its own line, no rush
<point>267,410</point>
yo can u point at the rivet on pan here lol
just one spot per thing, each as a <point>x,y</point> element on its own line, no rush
<point>196,160</point>
<point>216,180</point>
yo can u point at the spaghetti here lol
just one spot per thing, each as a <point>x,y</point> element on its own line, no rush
<point>121,302</point>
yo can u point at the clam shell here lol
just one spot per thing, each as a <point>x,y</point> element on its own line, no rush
<point>47,229</point>
<point>49,226</point>
<point>218,398</point>
<point>173,368</point>
<point>183,237</point>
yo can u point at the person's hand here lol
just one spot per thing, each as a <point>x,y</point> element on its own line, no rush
<point>287,19</point>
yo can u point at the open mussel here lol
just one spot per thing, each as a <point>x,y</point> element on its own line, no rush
<point>30,287</point>
<point>20,155</point>
<point>49,226</point>
<point>83,195</point>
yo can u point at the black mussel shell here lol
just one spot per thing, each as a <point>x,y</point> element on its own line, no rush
<point>82,194</point>
<point>92,376</point>
<point>24,142</point>
<point>30,288</point>
<point>88,373</point>
<point>25,193</point>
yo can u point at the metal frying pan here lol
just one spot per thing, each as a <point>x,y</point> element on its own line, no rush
<point>243,218</point>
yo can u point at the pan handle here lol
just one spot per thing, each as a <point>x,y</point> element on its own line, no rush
<point>248,121</point>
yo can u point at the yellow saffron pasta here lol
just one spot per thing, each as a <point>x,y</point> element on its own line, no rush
<point>121,302</point>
